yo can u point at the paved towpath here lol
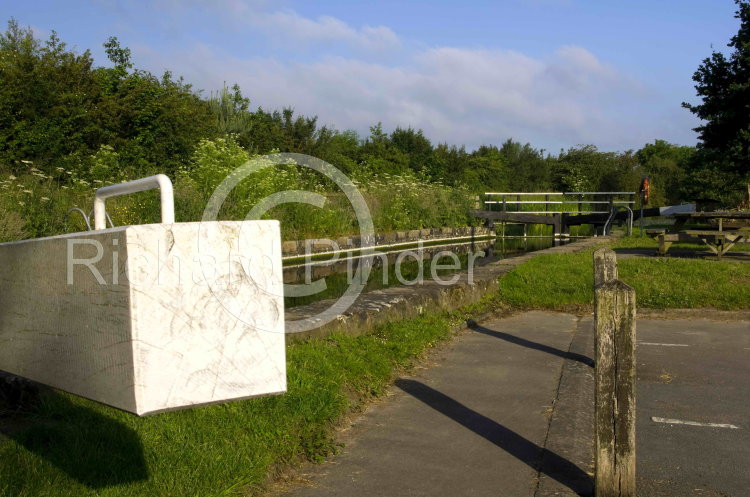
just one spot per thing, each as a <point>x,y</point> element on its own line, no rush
<point>476,424</point>
<point>507,410</point>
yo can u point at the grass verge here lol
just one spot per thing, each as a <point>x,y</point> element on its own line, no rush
<point>565,281</point>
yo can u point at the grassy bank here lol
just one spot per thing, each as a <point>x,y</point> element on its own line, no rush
<point>564,282</point>
<point>68,446</point>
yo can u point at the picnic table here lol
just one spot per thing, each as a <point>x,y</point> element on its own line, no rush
<point>683,217</point>
<point>718,240</point>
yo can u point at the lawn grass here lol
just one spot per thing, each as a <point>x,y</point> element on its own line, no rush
<point>565,281</point>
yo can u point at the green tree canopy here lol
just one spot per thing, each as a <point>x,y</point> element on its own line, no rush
<point>722,163</point>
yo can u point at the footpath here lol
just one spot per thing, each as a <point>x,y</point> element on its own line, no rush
<point>507,410</point>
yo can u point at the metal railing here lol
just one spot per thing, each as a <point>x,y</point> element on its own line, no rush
<point>611,218</point>
<point>506,198</point>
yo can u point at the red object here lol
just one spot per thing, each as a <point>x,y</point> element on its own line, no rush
<point>645,189</point>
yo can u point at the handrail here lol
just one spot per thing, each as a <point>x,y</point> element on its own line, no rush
<point>109,219</point>
<point>83,214</point>
<point>159,181</point>
<point>611,218</point>
<point>559,202</point>
<point>561,193</point>
<point>558,212</point>
<point>610,199</point>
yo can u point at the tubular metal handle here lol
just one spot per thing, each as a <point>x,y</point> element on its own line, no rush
<point>159,181</point>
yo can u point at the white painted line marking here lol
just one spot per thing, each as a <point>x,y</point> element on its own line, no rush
<point>692,423</point>
<point>664,344</point>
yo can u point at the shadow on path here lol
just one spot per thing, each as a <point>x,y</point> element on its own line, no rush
<point>538,458</point>
<point>528,343</point>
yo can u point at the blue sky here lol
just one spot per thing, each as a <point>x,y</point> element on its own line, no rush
<point>555,73</point>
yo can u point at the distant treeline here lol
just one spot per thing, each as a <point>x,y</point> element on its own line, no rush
<point>79,125</point>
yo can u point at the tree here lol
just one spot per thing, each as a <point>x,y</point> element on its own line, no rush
<point>379,155</point>
<point>486,170</point>
<point>230,110</point>
<point>722,164</point>
<point>529,171</point>
<point>47,94</point>
<point>665,164</point>
<point>57,110</point>
<point>415,145</point>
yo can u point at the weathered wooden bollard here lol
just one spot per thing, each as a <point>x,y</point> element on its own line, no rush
<point>614,316</point>
<point>605,266</point>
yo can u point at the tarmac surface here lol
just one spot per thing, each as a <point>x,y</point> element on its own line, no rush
<point>694,371</point>
<point>507,410</point>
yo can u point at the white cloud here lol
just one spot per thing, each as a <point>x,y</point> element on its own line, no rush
<point>40,33</point>
<point>286,25</point>
<point>289,25</point>
<point>457,95</point>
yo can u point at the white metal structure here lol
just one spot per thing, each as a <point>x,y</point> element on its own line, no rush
<point>160,181</point>
<point>611,218</point>
<point>546,202</point>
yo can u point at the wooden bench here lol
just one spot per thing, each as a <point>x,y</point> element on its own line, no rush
<point>718,241</point>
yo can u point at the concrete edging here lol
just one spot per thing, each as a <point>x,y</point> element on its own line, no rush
<point>707,313</point>
<point>572,421</point>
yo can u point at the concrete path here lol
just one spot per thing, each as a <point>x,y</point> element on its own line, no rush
<point>474,425</point>
<point>503,413</point>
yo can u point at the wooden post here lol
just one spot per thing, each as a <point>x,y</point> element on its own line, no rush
<point>605,266</point>
<point>614,316</point>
